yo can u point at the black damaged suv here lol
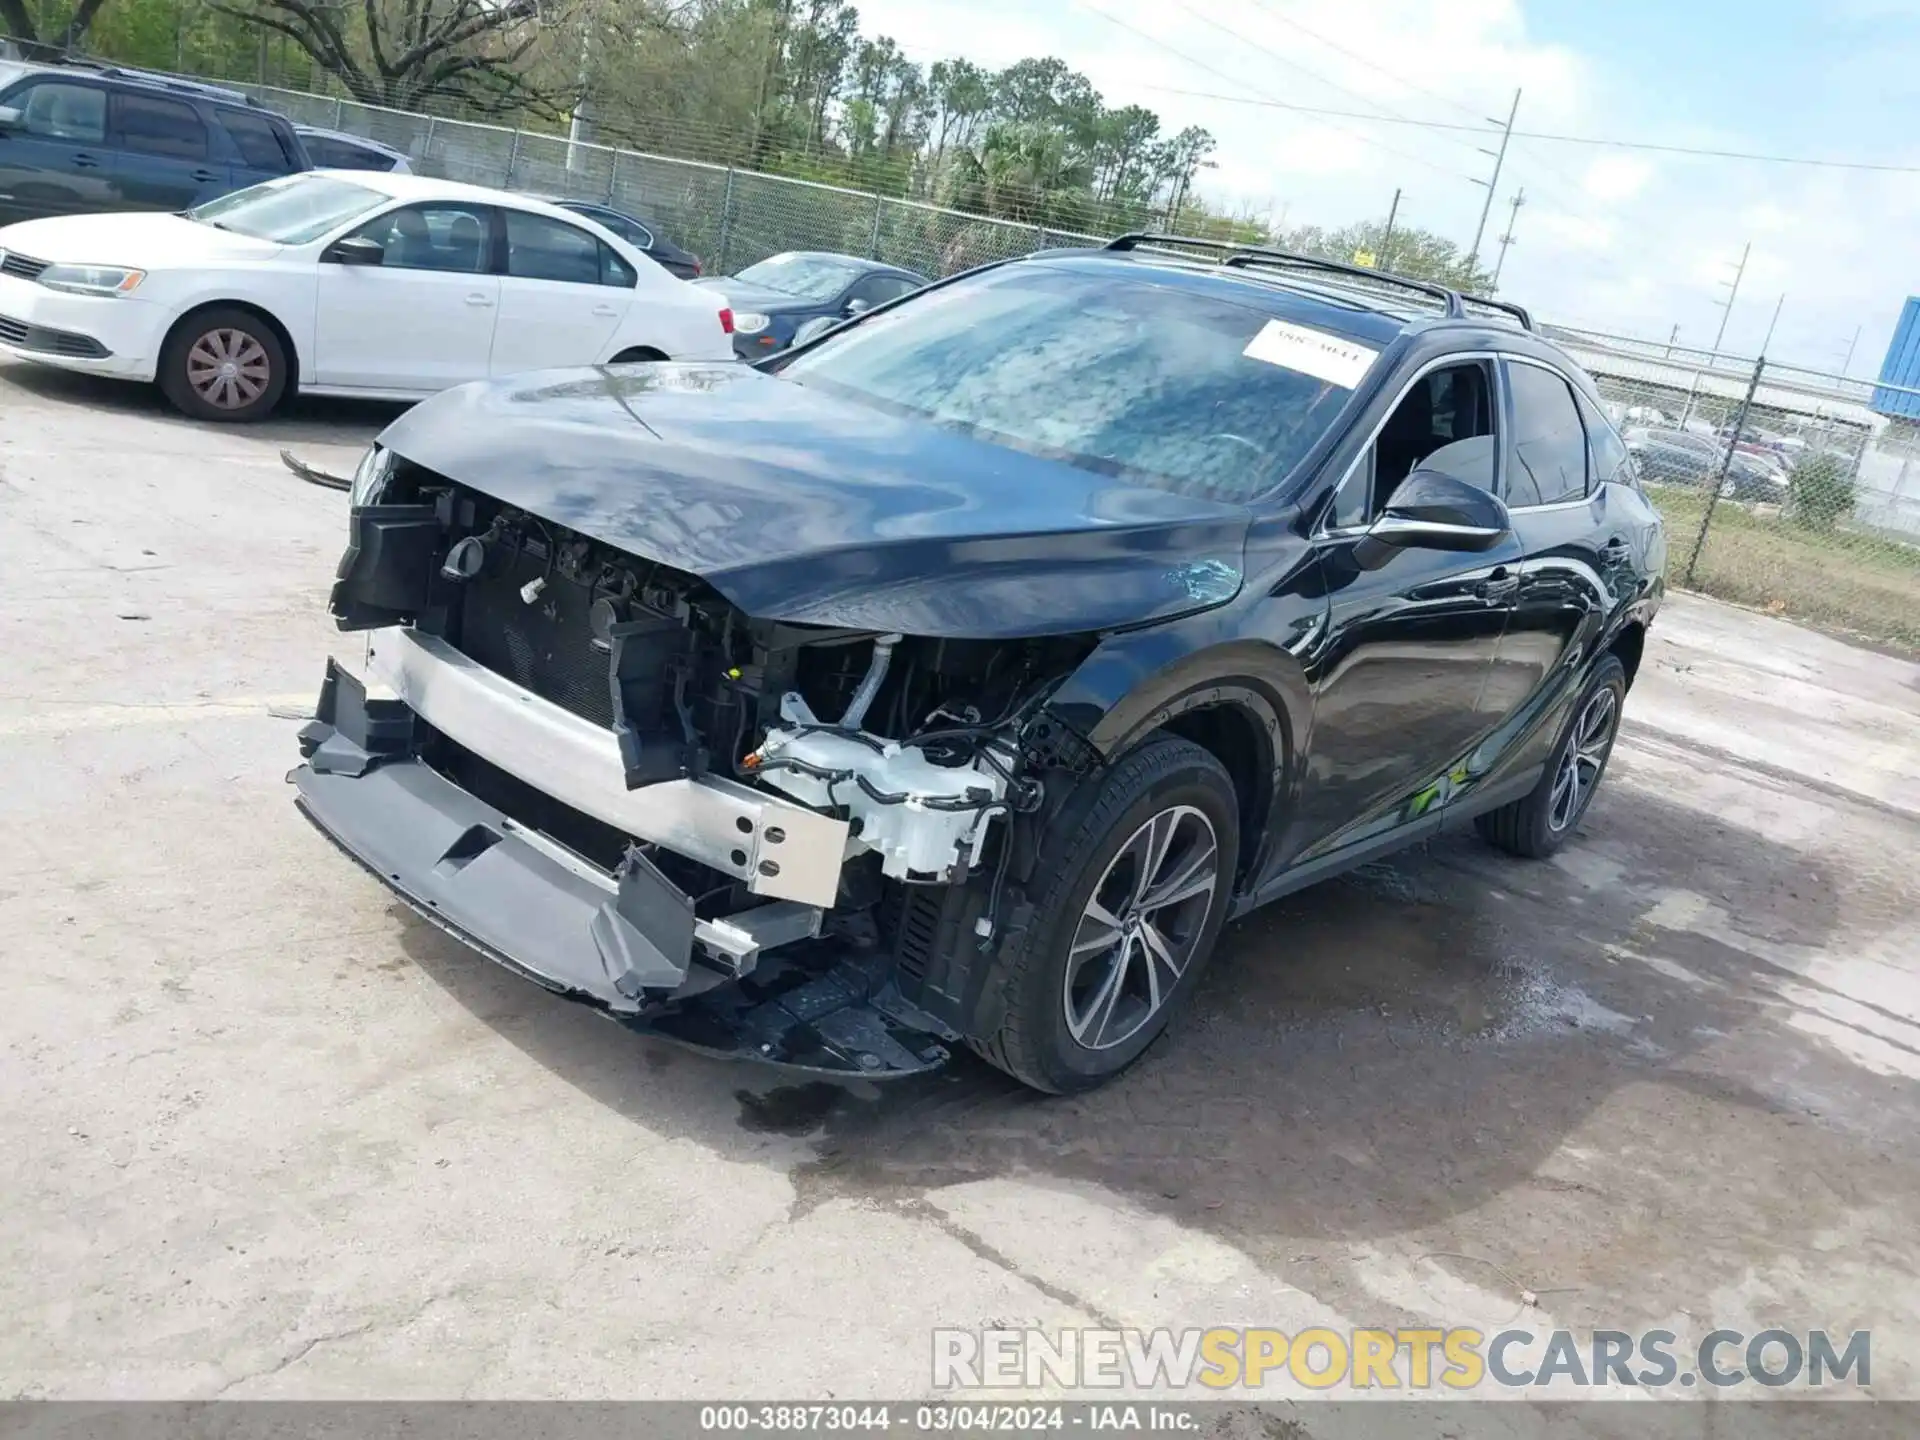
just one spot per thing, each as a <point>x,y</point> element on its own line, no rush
<point>957,676</point>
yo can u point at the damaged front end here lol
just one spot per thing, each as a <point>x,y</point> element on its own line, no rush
<point>776,841</point>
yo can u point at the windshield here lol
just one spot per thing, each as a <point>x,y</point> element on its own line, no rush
<point>1156,383</point>
<point>811,277</point>
<point>291,210</point>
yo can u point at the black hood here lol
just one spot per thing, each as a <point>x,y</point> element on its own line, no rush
<point>803,507</point>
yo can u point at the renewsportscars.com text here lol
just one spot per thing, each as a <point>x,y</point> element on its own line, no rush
<point>1457,1359</point>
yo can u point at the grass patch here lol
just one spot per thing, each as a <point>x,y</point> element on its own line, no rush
<point>1852,582</point>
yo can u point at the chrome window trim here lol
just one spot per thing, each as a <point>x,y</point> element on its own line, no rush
<point>1586,496</point>
<point>1458,357</point>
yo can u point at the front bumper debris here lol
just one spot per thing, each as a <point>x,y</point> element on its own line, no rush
<point>627,942</point>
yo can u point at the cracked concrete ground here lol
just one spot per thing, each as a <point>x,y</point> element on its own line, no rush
<point>268,1136</point>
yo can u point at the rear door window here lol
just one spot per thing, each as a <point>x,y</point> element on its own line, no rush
<point>53,111</point>
<point>614,271</point>
<point>155,125</point>
<point>1611,463</point>
<point>539,248</point>
<point>1549,442</point>
<point>257,139</point>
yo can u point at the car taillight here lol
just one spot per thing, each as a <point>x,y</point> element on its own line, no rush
<point>726,320</point>
<point>696,268</point>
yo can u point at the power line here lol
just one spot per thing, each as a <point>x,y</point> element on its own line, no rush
<point>1385,112</point>
<point>1158,43</point>
<point>1703,152</point>
<point>1370,63</point>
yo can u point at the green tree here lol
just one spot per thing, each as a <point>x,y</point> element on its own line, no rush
<point>414,54</point>
<point>1411,251</point>
<point>56,30</point>
<point>1820,490</point>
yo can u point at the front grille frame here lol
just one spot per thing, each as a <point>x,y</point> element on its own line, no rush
<point>22,267</point>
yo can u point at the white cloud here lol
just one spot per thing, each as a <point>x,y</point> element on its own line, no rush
<point>1617,177</point>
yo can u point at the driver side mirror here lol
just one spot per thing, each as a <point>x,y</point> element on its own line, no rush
<point>354,250</point>
<point>10,116</point>
<point>816,326</point>
<point>1432,510</point>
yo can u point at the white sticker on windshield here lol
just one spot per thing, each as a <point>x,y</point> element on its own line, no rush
<point>1311,352</point>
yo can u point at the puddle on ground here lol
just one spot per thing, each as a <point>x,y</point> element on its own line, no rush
<point>789,1109</point>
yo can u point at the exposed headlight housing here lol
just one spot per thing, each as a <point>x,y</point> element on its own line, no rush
<point>371,476</point>
<point>749,322</point>
<point>104,280</point>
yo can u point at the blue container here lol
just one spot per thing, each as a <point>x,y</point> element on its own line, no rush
<point>1902,367</point>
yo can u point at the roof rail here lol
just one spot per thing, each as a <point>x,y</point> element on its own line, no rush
<point>1264,255</point>
<point>160,80</point>
<point>1511,307</point>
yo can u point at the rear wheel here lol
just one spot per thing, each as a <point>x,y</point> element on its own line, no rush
<point>640,354</point>
<point>1545,820</point>
<point>224,363</point>
<point>1141,878</point>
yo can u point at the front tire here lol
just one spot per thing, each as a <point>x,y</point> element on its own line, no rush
<point>1545,820</point>
<point>224,364</point>
<point>1137,877</point>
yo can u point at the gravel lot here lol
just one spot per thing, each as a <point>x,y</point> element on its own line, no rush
<point>271,1137</point>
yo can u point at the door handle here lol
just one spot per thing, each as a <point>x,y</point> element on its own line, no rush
<point>205,175</point>
<point>605,310</point>
<point>1499,587</point>
<point>478,299</point>
<point>84,161</point>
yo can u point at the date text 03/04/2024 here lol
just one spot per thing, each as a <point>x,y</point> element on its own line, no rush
<point>944,1418</point>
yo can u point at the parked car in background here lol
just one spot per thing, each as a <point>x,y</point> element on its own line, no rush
<point>773,299</point>
<point>954,679</point>
<point>81,138</point>
<point>382,285</point>
<point>1677,457</point>
<point>336,150</point>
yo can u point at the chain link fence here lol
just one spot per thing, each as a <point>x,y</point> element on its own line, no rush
<point>1791,490</point>
<point>729,217</point>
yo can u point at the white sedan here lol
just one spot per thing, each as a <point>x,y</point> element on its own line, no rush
<point>341,283</point>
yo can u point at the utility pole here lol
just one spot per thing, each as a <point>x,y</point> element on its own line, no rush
<point>1847,364</point>
<point>1500,263</point>
<point>1733,294</point>
<point>1726,313</point>
<point>1773,322</point>
<point>1499,159</point>
<point>1672,338</point>
<point>1386,240</point>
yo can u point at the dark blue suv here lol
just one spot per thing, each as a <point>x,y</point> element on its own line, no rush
<point>75,138</point>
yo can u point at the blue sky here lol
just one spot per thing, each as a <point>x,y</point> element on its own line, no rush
<point>1612,239</point>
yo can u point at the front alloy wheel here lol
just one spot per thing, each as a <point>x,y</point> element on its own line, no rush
<point>1130,886</point>
<point>228,369</point>
<point>1139,927</point>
